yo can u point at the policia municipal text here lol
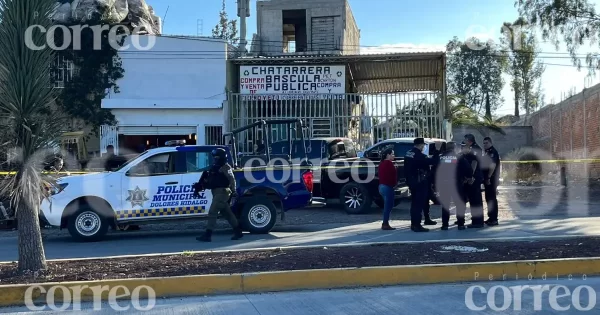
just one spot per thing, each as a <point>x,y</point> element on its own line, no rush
<point>221,181</point>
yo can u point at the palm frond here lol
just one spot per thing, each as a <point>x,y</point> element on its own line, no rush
<point>26,93</point>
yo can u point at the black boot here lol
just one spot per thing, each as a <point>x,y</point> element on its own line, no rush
<point>237,234</point>
<point>206,237</point>
<point>428,221</point>
<point>418,228</point>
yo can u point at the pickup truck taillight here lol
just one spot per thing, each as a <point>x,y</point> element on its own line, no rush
<point>308,180</point>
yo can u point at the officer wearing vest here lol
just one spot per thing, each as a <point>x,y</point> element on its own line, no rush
<point>453,172</point>
<point>473,186</point>
<point>491,177</point>
<point>417,167</point>
<point>221,181</point>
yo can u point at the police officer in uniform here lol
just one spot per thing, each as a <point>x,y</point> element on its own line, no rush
<point>473,185</point>
<point>491,178</point>
<point>221,181</point>
<point>433,190</point>
<point>452,174</point>
<point>417,167</point>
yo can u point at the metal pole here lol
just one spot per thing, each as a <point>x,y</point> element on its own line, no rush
<point>243,13</point>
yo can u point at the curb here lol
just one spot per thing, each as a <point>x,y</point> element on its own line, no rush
<point>13,295</point>
<point>340,245</point>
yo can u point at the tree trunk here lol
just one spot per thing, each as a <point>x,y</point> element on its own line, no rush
<point>517,103</point>
<point>488,106</point>
<point>32,257</point>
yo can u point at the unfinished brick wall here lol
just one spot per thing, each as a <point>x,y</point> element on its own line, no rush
<point>571,130</point>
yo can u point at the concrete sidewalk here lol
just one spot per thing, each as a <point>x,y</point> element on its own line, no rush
<point>167,242</point>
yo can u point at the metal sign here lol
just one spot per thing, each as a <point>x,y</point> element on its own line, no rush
<point>292,82</point>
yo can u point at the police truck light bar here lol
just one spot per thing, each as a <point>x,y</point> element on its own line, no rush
<point>172,143</point>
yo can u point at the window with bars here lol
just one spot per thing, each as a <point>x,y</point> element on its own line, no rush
<point>61,71</point>
<point>213,135</point>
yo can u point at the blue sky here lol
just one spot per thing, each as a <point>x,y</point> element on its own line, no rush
<point>400,25</point>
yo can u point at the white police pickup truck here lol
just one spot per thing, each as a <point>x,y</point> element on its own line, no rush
<point>155,186</point>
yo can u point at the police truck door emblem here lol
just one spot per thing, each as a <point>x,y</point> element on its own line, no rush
<point>137,197</point>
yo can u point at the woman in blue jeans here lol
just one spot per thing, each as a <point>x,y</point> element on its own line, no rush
<point>388,179</point>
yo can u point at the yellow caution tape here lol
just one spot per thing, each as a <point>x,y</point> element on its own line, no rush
<point>270,168</point>
<point>553,161</point>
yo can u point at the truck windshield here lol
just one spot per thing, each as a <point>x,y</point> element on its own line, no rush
<point>130,160</point>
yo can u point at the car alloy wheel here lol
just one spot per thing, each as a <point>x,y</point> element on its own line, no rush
<point>353,198</point>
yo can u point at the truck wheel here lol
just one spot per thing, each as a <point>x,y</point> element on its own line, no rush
<point>87,225</point>
<point>355,198</point>
<point>258,216</point>
<point>379,202</point>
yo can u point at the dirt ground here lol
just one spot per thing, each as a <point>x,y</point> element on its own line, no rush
<point>314,258</point>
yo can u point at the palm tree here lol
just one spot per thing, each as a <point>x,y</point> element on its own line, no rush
<point>422,115</point>
<point>462,115</point>
<point>26,97</point>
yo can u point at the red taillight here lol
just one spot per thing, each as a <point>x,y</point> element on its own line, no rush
<point>308,180</point>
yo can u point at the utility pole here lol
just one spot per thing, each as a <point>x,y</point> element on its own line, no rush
<point>200,27</point>
<point>243,13</point>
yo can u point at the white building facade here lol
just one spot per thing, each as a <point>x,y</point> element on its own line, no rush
<point>174,90</point>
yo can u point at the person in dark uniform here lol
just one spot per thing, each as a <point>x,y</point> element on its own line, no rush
<point>417,166</point>
<point>491,179</point>
<point>473,185</point>
<point>452,174</point>
<point>221,181</point>
<point>432,186</point>
<point>475,148</point>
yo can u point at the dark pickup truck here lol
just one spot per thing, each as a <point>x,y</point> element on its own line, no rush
<point>339,174</point>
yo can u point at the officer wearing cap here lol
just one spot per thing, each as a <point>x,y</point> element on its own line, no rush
<point>452,173</point>
<point>221,181</point>
<point>417,167</point>
<point>473,185</point>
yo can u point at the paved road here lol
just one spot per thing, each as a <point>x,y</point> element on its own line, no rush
<point>523,214</point>
<point>424,299</point>
<point>168,242</point>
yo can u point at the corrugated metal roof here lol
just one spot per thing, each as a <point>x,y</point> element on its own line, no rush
<point>398,76</point>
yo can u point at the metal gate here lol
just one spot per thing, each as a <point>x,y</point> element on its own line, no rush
<point>109,135</point>
<point>365,118</point>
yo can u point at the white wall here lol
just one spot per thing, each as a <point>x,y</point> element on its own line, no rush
<point>174,73</point>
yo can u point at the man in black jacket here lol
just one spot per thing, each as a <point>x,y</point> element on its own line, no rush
<point>474,183</point>
<point>491,179</point>
<point>417,167</point>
